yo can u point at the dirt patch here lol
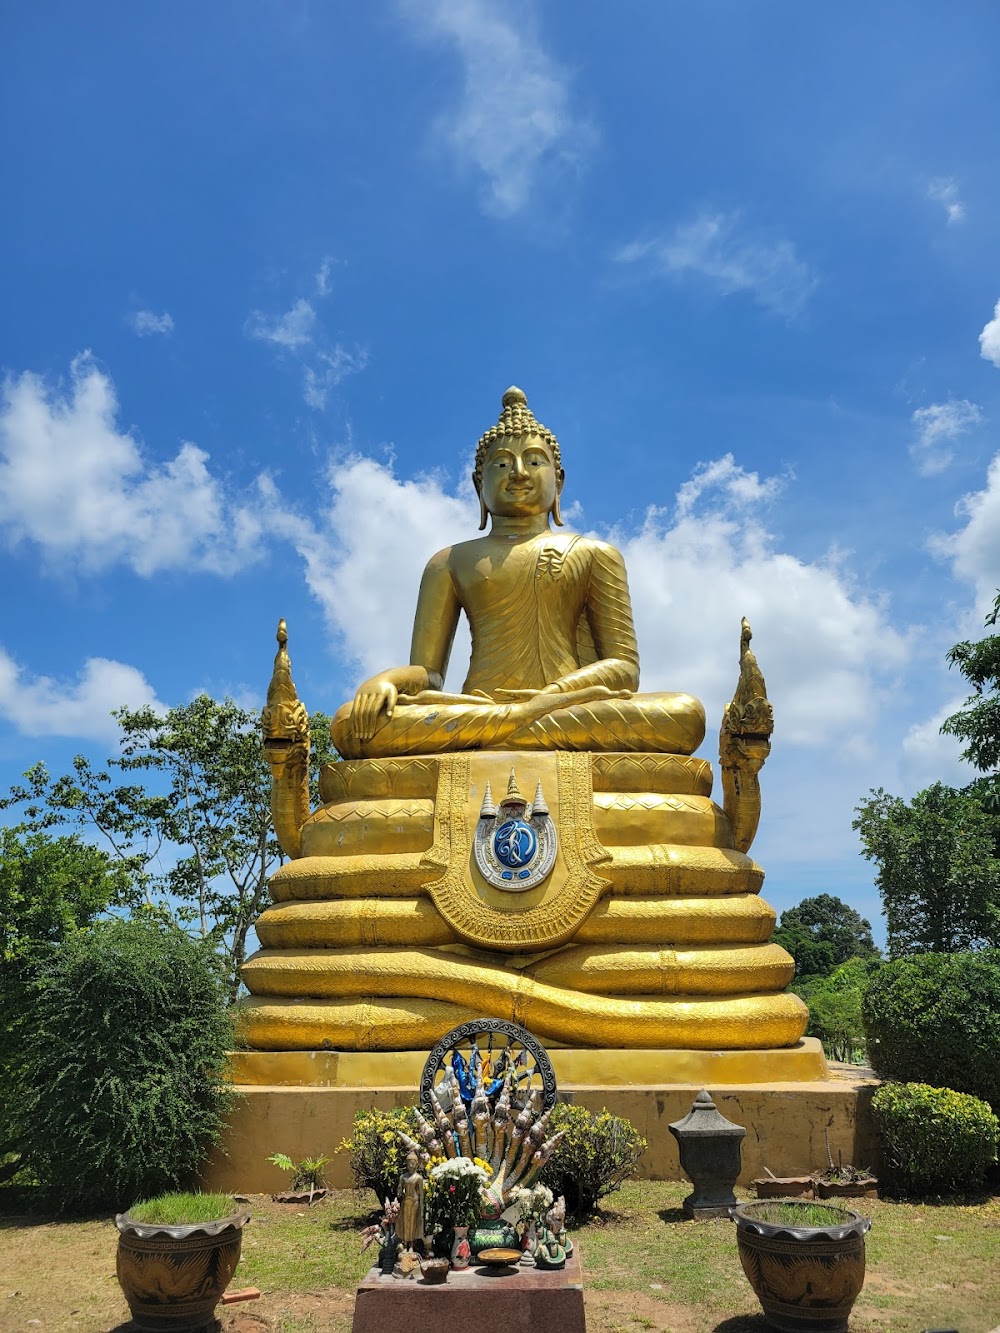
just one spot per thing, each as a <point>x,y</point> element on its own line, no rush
<point>329,1311</point>
<point>631,1311</point>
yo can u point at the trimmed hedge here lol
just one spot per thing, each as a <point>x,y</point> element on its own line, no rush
<point>125,1065</point>
<point>936,1141</point>
<point>935,1018</point>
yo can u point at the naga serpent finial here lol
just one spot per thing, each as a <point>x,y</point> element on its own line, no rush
<point>744,744</point>
<point>285,725</point>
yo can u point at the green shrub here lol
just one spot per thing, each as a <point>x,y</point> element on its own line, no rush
<point>376,1154</point>
<point>935,1018</point>
<point>936,1141</point>
<point>306,1175</point>
<point>597,1154</point>
<point>125,1064</point>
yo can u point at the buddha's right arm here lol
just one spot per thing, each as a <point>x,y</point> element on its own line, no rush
<point>434,626</point>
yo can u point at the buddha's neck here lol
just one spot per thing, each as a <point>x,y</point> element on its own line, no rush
<point>515,529</point>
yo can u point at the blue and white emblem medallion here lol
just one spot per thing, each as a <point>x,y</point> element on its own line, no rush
<point>515,844</point>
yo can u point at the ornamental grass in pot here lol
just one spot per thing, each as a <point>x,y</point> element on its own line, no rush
<point>805,1261</point>
<point>176,1255</point>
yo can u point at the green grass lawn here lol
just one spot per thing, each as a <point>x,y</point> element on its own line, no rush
<point>929,1266</point>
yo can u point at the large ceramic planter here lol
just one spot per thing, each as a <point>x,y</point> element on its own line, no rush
<point>806,1278</point>
<point>173,1277</point>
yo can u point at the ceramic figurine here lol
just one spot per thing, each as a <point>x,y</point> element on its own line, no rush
<point>554,1246</point>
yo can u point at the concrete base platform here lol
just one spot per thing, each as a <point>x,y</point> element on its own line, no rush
<point>785,1120</point>
<point>527,1300</point>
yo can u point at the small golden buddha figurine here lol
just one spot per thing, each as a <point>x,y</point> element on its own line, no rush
<point>617,908</point>
<point>410,1193</point>
<point>554,662</point>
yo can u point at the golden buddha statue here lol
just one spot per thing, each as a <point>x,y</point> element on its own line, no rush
<point>617,908</point>
<point>554,657</point>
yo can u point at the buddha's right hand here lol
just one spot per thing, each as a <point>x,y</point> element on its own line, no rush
<point>374,704</point>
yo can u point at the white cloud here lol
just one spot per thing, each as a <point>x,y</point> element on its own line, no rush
<point>974,550</point>
<point>513,123</point>
<point>328,369</point>
<point>944,190</point>
<point>145,322</point>
<point>295,328</point>
<point>41,706</point>
<point>930,757</point>
<point>365,555</point>
<point>298,332</point>
<point>725,475</point>
<point>825,647</point>
<point>80,488</point>
<point>938,427</point>
<point>989,339</point>
<point>324,276</point>
<point>713,246</point>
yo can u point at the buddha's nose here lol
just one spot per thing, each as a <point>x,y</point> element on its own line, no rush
<point>519,470</point>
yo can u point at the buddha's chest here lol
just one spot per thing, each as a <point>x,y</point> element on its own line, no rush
<point>522,577</point>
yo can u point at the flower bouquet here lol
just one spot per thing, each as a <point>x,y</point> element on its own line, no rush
<point>455,1194</point>
<point>455,1189</point>
<point>532,1204</point>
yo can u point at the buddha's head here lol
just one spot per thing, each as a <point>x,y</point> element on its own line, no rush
<point>518,470</point>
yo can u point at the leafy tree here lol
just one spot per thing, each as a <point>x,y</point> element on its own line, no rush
<point>49,888</point>
<point>978,721</point>
<point>835,1006</point>
<point>192,829</point>
<point>813,957</point>
<point>935,1018</point>
<point>823,932</point>
<point>938,872</point>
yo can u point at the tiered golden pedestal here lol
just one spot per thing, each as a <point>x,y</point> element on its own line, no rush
<point>648,934</point>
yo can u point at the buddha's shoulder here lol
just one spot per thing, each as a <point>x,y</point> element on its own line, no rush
<point>591,547</point>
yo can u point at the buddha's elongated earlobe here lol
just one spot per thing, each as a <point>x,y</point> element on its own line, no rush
<point>484,513</point>
<point>556,514</point>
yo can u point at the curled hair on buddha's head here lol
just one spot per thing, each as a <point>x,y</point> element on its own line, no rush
<point>516,420</point>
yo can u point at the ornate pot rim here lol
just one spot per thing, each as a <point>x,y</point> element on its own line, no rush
<point>856,1225</point>
<point>181,1230</point>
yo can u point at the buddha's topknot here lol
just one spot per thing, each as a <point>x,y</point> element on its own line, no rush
<point>515,419</point>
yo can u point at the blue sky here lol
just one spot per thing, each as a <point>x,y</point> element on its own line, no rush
<point>269,266</point>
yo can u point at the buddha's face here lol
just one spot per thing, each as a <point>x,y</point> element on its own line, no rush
<point>520,477</point>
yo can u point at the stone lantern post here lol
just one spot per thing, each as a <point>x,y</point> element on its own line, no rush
<point>710,1148</point>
